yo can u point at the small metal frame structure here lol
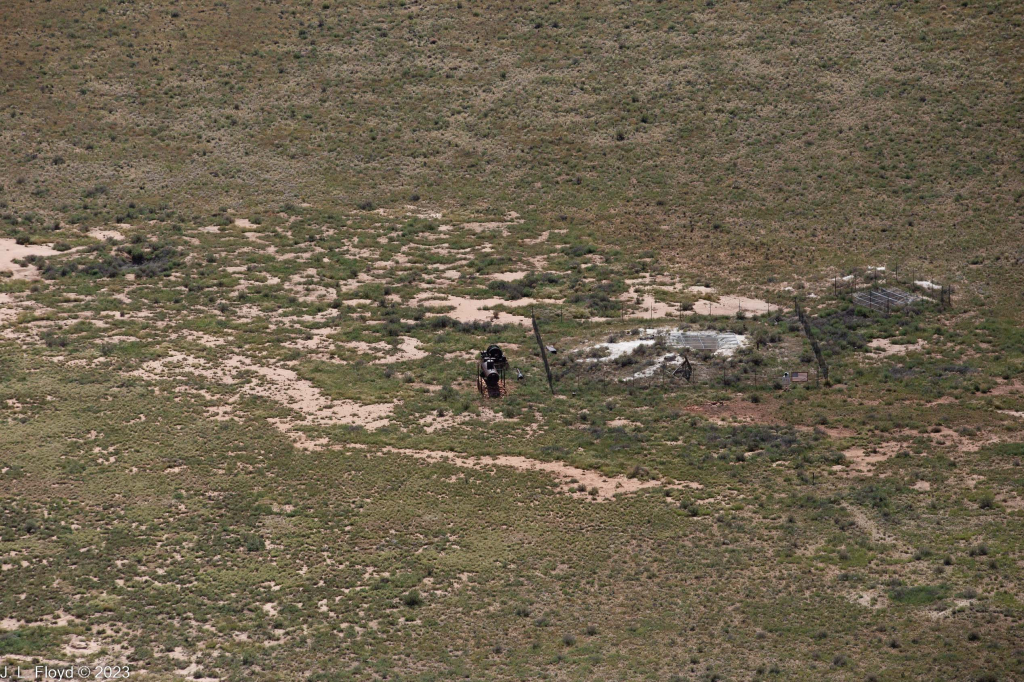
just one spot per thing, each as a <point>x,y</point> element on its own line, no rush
<point>884,300</point>
<point>705,340</point>
<point>697,341</point>
<point>684,370</point>
<point>490,375</point>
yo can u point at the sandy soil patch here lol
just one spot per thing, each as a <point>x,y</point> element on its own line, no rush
<point>868,525</point>
<point>358,281</point>
<point>872,599</point>
<point>310,293</point>
<point>10,251</point>
<point>317,346</point>
<point>433,422</point>
<point>509,276</point>
<point>408,349</point>
<point>641,294</point>
<point>570,478</point>
<point>885,347</point>
<point>477,309</point>
<point>650,307</point>
<point>422,213</point>
<point>945,436</point>
<point>103,235</point>
<point>78,647</point>
<point>276,383</point>
<point>958,605</point>
<point>643,289</point>
<point>864,460</point>
<point>1015,386</point>
<point>511,219</point>
<point>923,486</point>
<point>56,620</point>
<point>730,305</point>
<point>1011,501</point>
<point>8,311</point>
<point>208,340</point>
<point>543,236</point>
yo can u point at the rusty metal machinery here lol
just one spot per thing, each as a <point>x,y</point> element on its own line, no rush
<point>491,367</point>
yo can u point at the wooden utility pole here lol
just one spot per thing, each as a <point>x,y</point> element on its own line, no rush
<point>543,352</point>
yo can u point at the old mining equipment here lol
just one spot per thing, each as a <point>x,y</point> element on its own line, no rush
<point>490,377</point>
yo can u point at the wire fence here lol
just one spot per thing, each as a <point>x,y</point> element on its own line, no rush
<point>884,299</point>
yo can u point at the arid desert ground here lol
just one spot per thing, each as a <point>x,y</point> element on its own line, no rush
<point>252,250</point>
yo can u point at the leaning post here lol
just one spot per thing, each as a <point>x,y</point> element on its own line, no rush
<point>543,352</point>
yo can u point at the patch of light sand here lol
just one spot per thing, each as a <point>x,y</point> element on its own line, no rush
<point>276,383</point>
<point>10,251</point>
<point>885,347</point>
<point>607,487</point>
<point>78,647</point>
<point>203,338</point>
<point>623,423</point>
<point>476,309</point>
<point>7,310</point>
<point>730,305</point>
<point>510,220</point>
<point>651,308</point>
<point>865,461</point>
<point>543,236</point>
<point>433,422</point>
<point>408,349</point>
<point>103,235</point>
<point>509,276</point>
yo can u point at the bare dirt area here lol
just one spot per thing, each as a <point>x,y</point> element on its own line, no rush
<point>7,308</point>
<point>465,309</point>
<point>582,483</point>
<point>252,255</point>
<point>736,411</point>
<point>406,350</point>
<point>276,383</point>
<point>105,234</point>
<point>438,422</point>
<point>864,460</point>
<point>11,251</point>
<point>885,347</point>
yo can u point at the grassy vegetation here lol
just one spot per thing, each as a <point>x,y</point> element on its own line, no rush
<point>283,230</point>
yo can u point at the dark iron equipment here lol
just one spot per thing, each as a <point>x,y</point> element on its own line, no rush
<point>684,370</point>
<point>490,377</point>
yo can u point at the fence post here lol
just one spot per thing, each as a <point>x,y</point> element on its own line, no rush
<point>543,352</point>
